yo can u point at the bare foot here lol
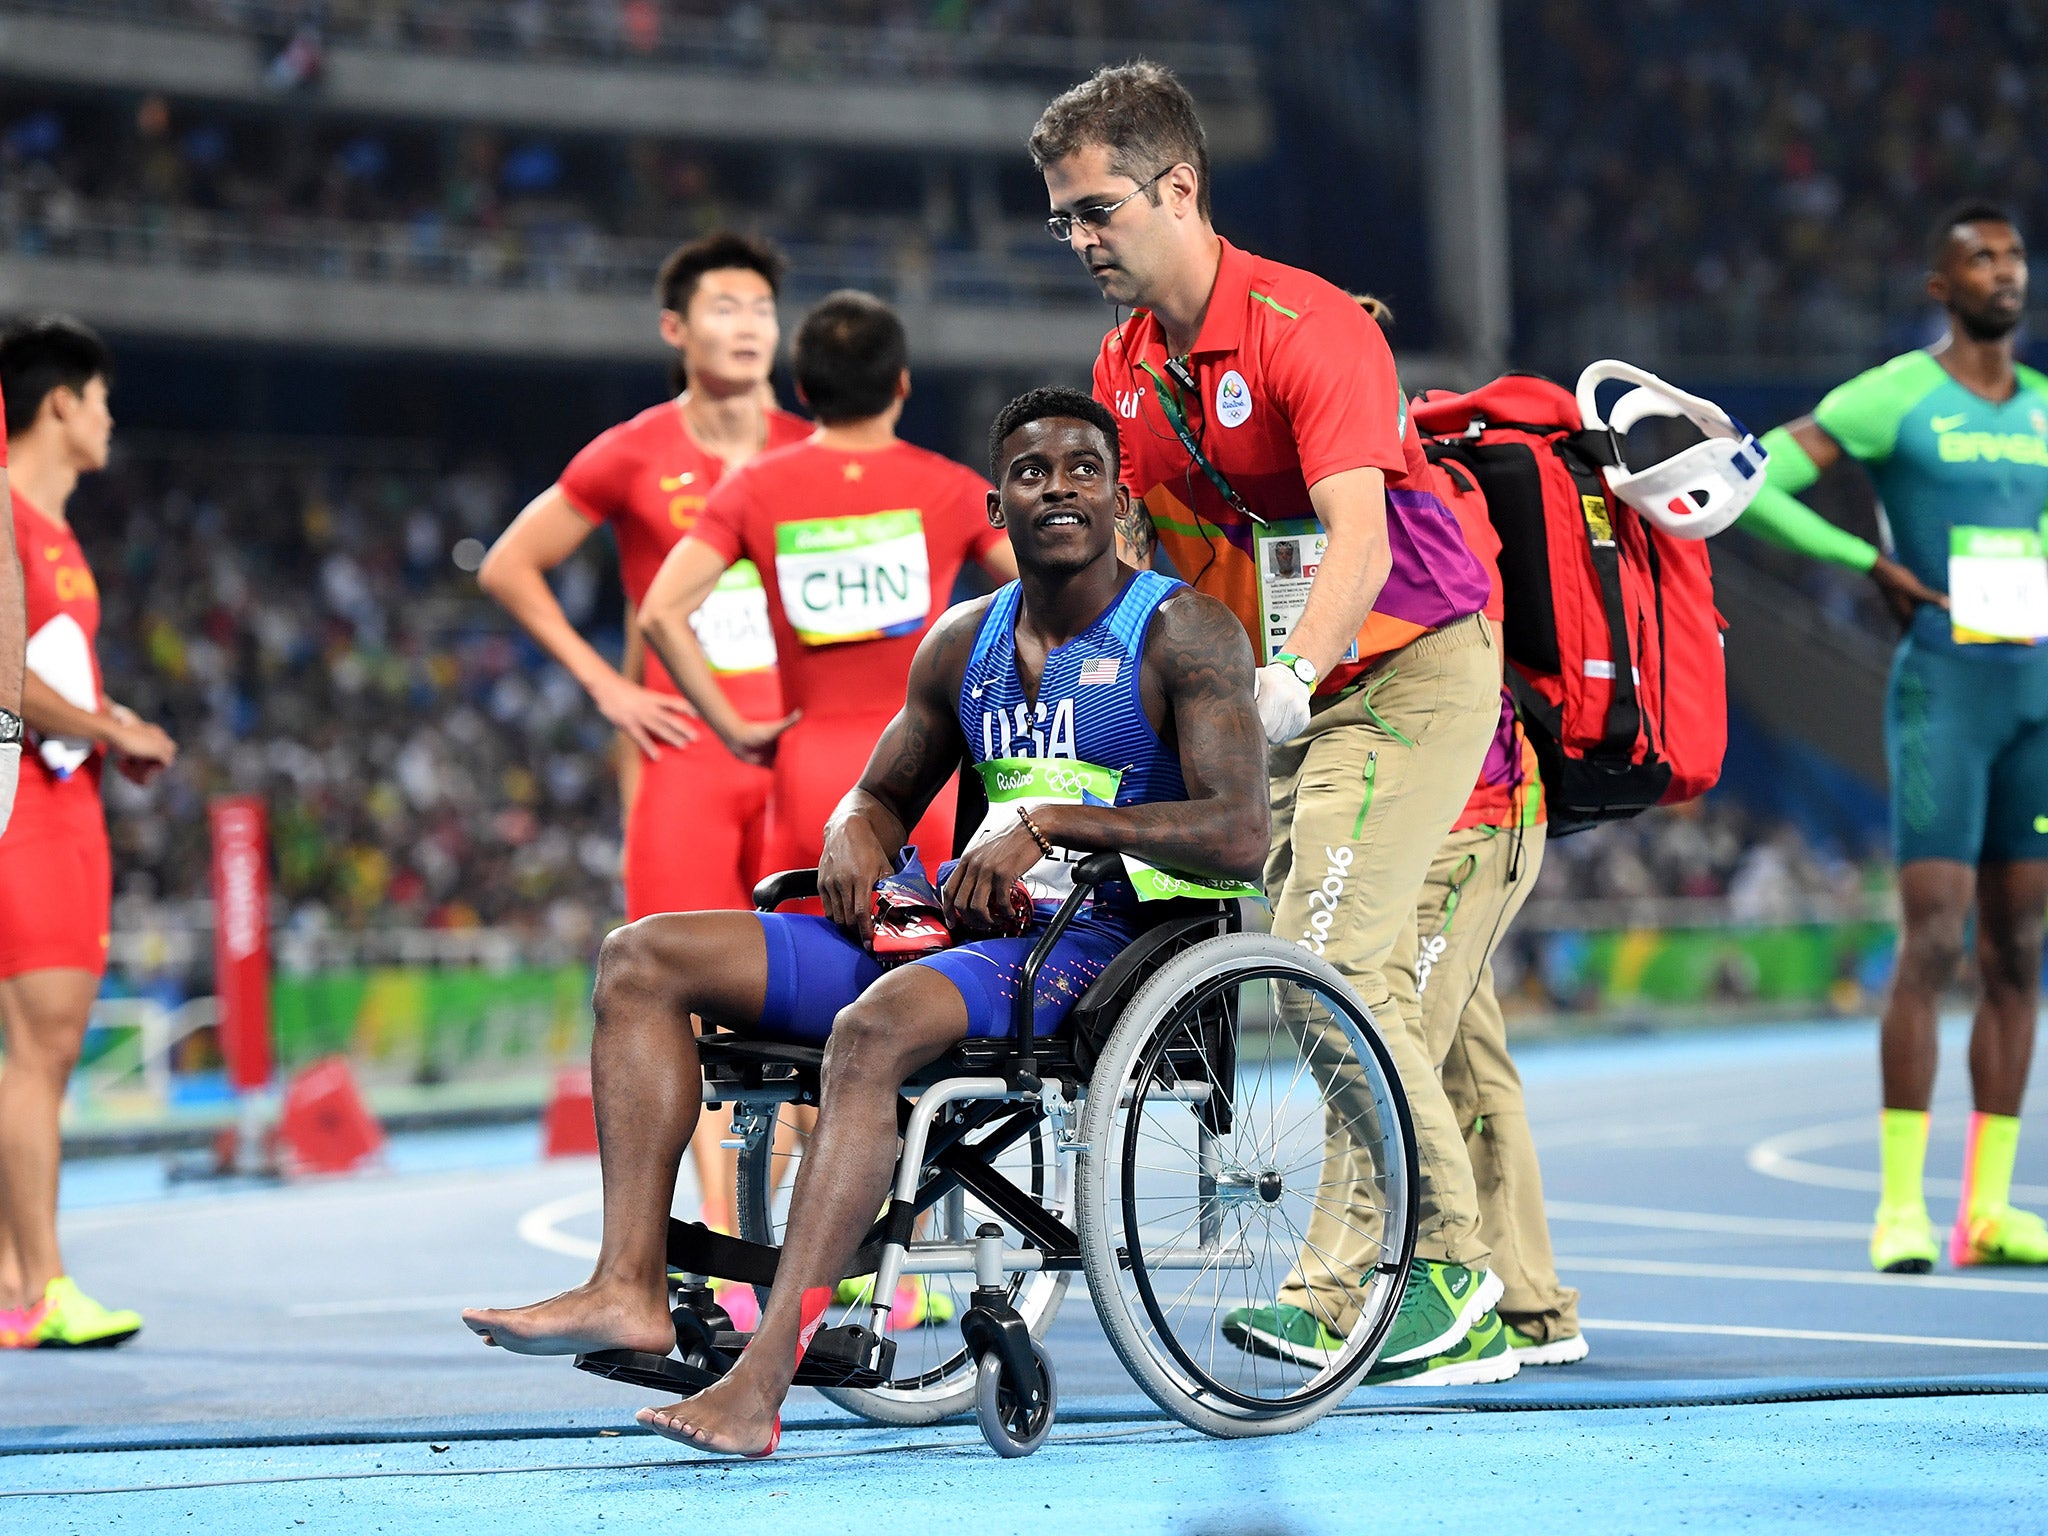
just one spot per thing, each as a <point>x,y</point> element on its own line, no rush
<point>728,1417</point>
<point>591,1317</point>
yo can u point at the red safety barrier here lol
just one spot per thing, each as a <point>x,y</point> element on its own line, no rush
<point>326,1127</point>
<point>569,1128</point>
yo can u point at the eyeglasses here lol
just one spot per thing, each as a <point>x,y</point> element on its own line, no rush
<point>1097,215</point>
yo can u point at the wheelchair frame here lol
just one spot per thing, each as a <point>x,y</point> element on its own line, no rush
<point>956,1117</point>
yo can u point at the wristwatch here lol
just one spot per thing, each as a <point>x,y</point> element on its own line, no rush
<point>1300,666</point>
<point>10,727</point>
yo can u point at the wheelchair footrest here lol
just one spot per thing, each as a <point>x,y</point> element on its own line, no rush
<point>847,1356</point>
<point>661,1373</point>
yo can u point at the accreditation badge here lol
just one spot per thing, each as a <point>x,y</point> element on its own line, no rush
<point>1997,586</point>
<point>1288,556</point>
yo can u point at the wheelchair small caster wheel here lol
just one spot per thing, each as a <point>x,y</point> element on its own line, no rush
<point>1011,1422</point>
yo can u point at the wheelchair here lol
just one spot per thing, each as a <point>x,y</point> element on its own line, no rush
<point>1218,1099</point>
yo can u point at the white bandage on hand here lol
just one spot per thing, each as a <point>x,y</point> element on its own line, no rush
<point>10,773</point>
<point>1283,702</point>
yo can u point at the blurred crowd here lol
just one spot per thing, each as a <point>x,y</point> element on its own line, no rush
<point>1755,177</point>
<point>188,183</point>
<point>929,38</point>
<point>311,634</point>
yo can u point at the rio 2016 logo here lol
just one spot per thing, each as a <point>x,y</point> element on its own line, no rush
<point>1324,898</point>
<point>1233,400</point>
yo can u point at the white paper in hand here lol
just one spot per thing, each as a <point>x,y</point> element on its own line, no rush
<point>61,656</point>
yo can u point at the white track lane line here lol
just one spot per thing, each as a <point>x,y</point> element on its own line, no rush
<point>1822,1335</point>
<point>1701,1221</point>
<point>1775,1157</point>
<point>1692,1271</point>
<point>538,1225</point>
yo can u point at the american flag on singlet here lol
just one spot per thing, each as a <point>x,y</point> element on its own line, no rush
<point>1099,669</point>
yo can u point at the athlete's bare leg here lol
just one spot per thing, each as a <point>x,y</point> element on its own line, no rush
<point>43,1015</point>
<point>652,975</point>
<point>2011,899</point>
<point>908,1018</point>
<point>1934,911</point>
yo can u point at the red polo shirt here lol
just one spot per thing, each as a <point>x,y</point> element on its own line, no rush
<point>1293,383</point>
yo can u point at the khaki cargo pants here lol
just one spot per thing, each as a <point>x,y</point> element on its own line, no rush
<point>1477,883</point>
<point>1362,800</point>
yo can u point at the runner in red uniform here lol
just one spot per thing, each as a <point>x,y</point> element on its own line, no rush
<point>56,877</point>
<point>695,815</point>
<point>13,635</point>
<point>859,537</point>
<point>648,478</point>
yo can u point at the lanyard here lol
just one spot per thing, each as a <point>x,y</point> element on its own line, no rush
<point>1176,417</point>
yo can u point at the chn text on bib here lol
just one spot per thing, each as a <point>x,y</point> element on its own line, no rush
<point>854,578</point>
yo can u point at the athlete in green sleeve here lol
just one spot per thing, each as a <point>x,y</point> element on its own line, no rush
<point>1956,440</point>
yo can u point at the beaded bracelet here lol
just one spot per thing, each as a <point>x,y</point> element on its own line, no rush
<point>1037,836</point>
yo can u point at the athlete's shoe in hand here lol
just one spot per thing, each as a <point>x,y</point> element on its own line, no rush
<point>1441,1304</point>
<point>1902,1242</point>
<point>1483,1355</point>
<point>1282,1332</point>
<point>918,1305</point>
<point>73,1320</point>
<point>908,920</point>
<point>1567,1350</point>
<point>2006,1235</point>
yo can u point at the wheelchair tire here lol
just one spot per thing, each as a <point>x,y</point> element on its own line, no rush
<point>1240,1076</point>
<point>929,1387</point>
<point>1011,1427</point>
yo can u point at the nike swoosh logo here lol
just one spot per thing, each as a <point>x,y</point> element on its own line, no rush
<point>1948,423</point>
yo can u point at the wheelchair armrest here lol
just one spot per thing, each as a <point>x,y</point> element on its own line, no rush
<point>1099,869</point>
<point>785,885</point>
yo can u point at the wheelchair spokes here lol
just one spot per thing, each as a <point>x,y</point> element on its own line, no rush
<point>1254,1190</point>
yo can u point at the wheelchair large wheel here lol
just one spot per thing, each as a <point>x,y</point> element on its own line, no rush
<point>1245,1142</point>
<point>933,1377</point>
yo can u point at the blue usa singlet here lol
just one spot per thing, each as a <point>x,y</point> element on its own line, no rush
<point>1085,739</point>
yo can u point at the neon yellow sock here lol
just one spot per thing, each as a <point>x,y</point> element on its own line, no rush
<point>1902,1154</point>
<point>1987,1163</point>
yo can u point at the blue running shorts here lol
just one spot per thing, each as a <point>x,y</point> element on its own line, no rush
<point>815,969</point>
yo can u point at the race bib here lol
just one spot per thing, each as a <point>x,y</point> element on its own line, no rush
<point>1997,586</point>
<point>1289,555</point>
<point>732,623</point>
<point>854,578</point>
<point>1030,782</point>
<point>1155,884</point>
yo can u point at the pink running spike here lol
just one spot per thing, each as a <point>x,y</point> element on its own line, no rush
<point>1961,1250</point>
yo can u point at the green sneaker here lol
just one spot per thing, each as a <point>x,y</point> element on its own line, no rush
<point>1568,1350</point>
<point>1441,1304</point>
<point>1902,1242</point>
<point>1483,1355</point>
<point>70,1319</point>
<point>2007,1235</point>
<point>1282,1332</point>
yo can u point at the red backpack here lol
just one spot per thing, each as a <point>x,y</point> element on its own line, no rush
<point>1610,625</point>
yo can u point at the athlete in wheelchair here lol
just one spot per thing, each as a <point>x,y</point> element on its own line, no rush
<point>1218,1089</point>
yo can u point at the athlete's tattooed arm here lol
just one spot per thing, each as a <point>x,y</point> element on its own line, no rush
<point>917,754</point>
<point>1136,538</point>
<point>1197,688</point>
